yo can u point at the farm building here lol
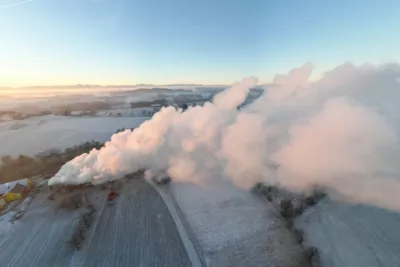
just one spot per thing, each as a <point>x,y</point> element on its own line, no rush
<point>15,190</point>
<point>4,188</point>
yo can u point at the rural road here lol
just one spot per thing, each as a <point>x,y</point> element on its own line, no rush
<point>137,231</point>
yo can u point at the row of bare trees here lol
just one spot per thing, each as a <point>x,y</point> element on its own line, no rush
<point>85,222</point>
<point>291,206</point>
<point>15,168</point>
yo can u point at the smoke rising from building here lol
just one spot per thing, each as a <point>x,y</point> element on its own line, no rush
<point>340,133</point>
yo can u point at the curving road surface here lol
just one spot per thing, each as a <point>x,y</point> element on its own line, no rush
<point>137,231</point>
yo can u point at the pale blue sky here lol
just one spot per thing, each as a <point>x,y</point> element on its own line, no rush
<point>44,42</point>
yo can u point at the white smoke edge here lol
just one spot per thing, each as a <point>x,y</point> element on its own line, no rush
<point>146,143</point>
<point>339,133</point>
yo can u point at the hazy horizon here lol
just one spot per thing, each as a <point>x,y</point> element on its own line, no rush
<point>46,43</point>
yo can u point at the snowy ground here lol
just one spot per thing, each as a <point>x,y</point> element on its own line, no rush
<point>353,235</point>
<point>38,134</point>
<point>137,231</point>
<point>236,228</point>
<point>230,226</point>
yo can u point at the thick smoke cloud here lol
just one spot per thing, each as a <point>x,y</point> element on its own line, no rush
<point>340,133</point>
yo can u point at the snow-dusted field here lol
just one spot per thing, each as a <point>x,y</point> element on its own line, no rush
<point>353,235</point>
<point>38,134</point>
<point>236,228</point>
<point>137,231</point>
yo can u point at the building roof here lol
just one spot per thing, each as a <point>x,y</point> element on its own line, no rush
<point>4,188</point>
<point>18,189</point>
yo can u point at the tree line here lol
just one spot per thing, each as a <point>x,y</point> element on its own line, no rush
<point>15,168</point>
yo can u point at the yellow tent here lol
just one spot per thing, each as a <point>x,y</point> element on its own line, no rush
<point>15,193</point>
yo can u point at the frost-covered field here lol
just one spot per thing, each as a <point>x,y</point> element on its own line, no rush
<point>235,227</point>
<point>353,235</point>
<point>38,134</point>
<point>136,231</point>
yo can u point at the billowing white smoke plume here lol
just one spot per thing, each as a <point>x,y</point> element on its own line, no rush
<point>341,133</point>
